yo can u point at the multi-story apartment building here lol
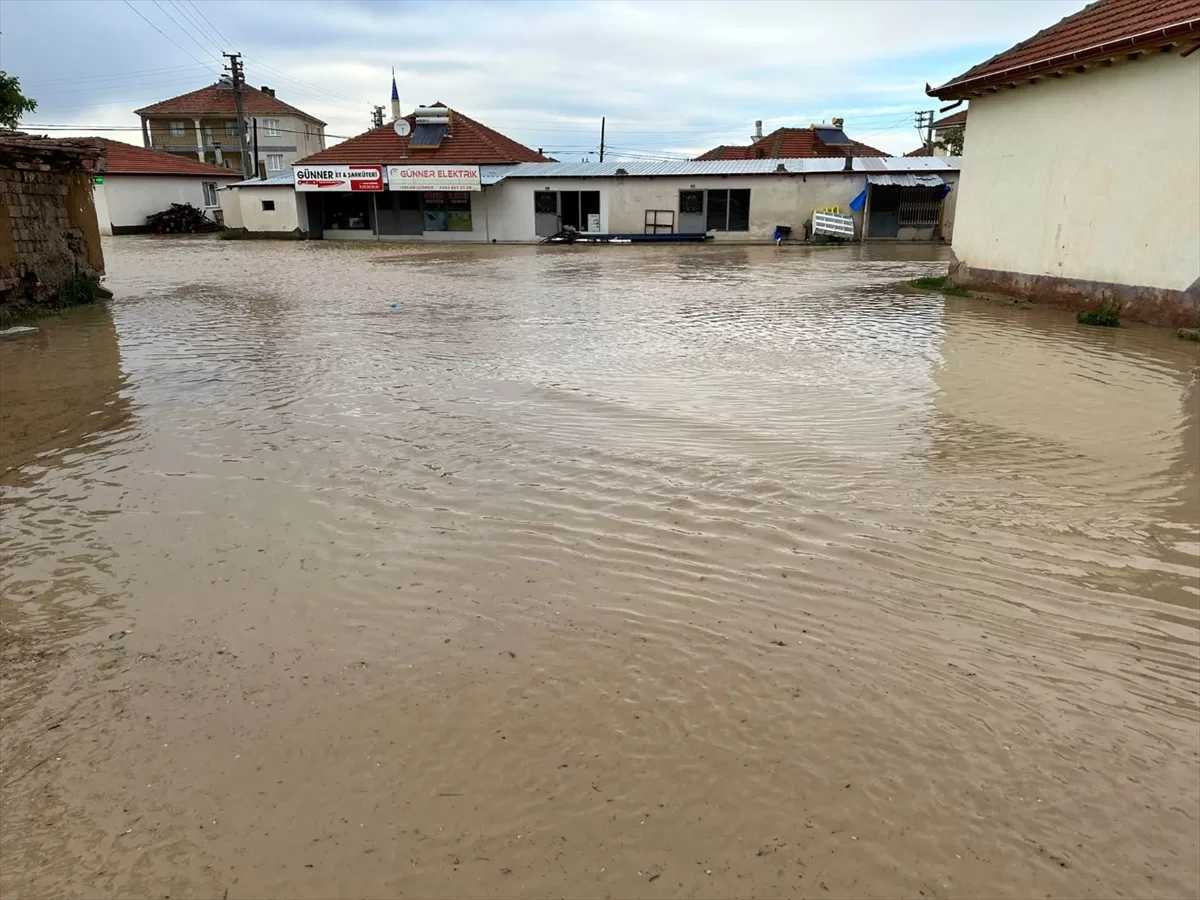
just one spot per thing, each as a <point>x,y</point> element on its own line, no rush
<point>203,125</point>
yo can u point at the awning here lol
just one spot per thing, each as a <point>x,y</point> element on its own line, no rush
<point>906,179</point>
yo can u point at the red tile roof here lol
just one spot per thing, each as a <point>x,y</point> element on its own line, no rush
<point>920,151</point>
<point>1104,28</point>
<point>791,143</point>
<point>724,151</point>
<point>467,141</point>
<point>218,100</point>
<point>126,159</point>
<point>958,118</point>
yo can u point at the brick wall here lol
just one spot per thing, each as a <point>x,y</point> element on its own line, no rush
<point>48,228</point>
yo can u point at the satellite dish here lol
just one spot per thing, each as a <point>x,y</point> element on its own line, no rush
<point>402,128</point>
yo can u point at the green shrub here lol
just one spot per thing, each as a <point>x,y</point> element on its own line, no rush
<point>80,288</point>
<point>930,283</point>
<point>1189,334</point>
<point>233,234</point>
<point>1106,315</point>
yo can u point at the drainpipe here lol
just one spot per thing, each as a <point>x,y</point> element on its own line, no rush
<point>145,132</point>
<point>487,227</point>
<point>866,222</point>
<point>199,140</point>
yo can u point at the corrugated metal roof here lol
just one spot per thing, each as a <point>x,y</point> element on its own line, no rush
<point>279,179</point>
<point>655,168</point>
<point>906,179</point>
<point>493,174</point>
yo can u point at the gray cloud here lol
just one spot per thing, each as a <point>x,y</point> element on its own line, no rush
<point>672,77</point>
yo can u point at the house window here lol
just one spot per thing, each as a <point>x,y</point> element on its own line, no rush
<point>268,206</point>
<point>272,126</point>
<point>231,129</point>
<point>178,129</point>
<point>447,211</point>
<point>275,162</point>
<point>210,194</point>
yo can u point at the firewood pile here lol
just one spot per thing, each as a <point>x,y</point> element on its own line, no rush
<point>180,218</point>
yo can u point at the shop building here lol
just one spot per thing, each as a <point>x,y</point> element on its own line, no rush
<point>438,175</point>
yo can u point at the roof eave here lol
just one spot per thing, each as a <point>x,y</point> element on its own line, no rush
<point>964,88</point>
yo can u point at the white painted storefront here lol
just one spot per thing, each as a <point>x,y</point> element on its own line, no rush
<point>1094,176</point>
<point>516,204</point>
<point>124,201</point>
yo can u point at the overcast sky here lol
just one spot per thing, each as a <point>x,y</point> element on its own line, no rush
<point>673,78</point>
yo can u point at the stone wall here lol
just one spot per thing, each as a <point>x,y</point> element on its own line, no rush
<point>48,228</point>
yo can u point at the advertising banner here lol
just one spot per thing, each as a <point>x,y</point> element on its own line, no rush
<point>433,177</point>
<point>338,178</point>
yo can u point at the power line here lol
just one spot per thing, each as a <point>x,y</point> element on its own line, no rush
<point>210,24</point>
<point>138,128</point>
<point>90,79</point>
<point>262,65</point>
<point>191,20</point>
<point>196,23</point>
<point>191,79</point>
<point>175,22</point>
<point>163,33</point>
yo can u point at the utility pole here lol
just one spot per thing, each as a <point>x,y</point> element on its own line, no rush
<point>602,139</point>
<point>377,117</point>
<point>258,166</point>
<point>925,127</point>
<point>238,77</point>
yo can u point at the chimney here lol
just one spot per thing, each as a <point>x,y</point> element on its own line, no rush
<point>757,130</point>
<point>270,92</point>
<point>849,166</point>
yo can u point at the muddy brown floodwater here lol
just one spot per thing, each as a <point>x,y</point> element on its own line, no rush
<point>359,571</point>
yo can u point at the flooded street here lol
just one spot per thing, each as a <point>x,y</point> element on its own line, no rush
<point>432,571</point>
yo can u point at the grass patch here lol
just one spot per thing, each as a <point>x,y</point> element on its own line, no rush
<point>233,234</point>
<point>80,288</point>
<point>939,283</point>
<point>1189,334</point>
<point>1106,315</point>
<point>930,283</point>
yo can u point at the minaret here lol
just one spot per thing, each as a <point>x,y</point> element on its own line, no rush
<point>395,97</point>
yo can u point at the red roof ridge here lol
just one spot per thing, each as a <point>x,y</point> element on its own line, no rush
<point>1099,29</point>
<point>958,118</point>
<point>218,99</point>
<point>468,141</point>
<point>129,159</point>
<point>790,142</point>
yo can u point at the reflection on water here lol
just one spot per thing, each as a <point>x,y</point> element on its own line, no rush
<point>730,568</point>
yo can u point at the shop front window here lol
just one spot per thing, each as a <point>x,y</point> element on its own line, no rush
<point>347,212</point>
<point>447,211</point>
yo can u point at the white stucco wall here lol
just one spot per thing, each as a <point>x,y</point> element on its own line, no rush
<point>243,208</point>
<point>510,215</point>
<point>505,211</point>
<point>774,200</point>
<point>100,201</point>
<point>1092,176</point>
<point>129,199</point>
